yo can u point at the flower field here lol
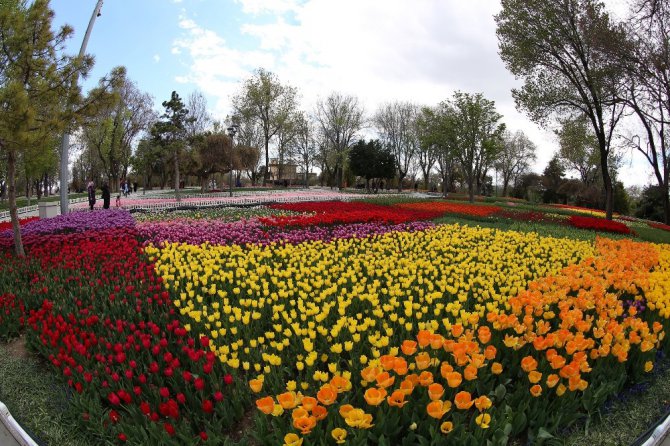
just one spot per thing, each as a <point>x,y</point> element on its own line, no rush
<point>346,323</point>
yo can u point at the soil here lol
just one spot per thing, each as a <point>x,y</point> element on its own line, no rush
<point>17,348</point>
<point>244,426</point>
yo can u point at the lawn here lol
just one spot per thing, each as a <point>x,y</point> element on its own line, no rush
<point>392,321</point>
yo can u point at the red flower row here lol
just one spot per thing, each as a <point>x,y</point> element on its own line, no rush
<point>8,224</point>
<point>661,226</point>
<point>598,224</point>
<point>100,315</point>
<point>445,207</point>
<point>334,212</point>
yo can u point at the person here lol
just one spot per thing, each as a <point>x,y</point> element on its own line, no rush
<point>105,196</point>
<point>135,187</point>
<point>91,194</point>
<point>118,201</point>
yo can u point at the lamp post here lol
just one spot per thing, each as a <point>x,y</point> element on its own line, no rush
<point>65,142</point>
<point>232,130</point>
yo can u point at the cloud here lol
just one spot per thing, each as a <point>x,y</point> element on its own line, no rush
<point>419,51</point>
<point>157,58</point>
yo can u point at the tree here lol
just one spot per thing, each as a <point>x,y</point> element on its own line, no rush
<point>210,153</point>
<point>396,126</point>
<point>553,178</point>
<point>37,101</point>
<point>339,117</point>
<point>170,132</point>
<point>579,149</point>
<point>113,131</point>
<point>561,50</point>
<point>268,103</point>
<point>198,118</point>
<point>149,160</point>
<point>372,161</point>
<point>305,149</point>
<point>427,150</point>
<point>478,134</point>
<point>438,130</point>
<point>645,61</point>
<point>515,157</point>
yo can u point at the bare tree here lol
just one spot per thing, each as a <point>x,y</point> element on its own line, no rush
<point>396,126</point>
<point>515,157</point>
<point>305,147</point>
<point>340,118</point>
<point>269,103</point>
<point>198,116</point>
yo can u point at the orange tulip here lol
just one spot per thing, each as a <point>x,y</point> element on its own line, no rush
<point>319,412</point>
<point>484,334</point>
<point>340,383</point>
<point>435,391</point>
<point>490,352</point>
<point>536,390</point>
<point>557,362</point>
<point>425,379</point>
<point>436,341</point>
<point>496,368</point>
<point>287,400</point>
<point>560,390</point>
<point>374,396</point>
<point>327,395</point>
<point>456,330</point>
<point>422,360</point>
<point>483,403</point>
<point>414,378</point>
<point>454,379</point>
<point>266,405</point>
<point>463,400</point>
<point>299,412</point>
<point>385,380</point>
<point>344,409</point>
<point>424,338</point>
<point>407,387</point>
<point>552,380</point>
<point>534,377</point>
<point>528,364</point>
<point>387,361</point>
<point>470,372</point>
<point>304,424</point>
<point>445,368</point>
<point>370,373</point>
<point>308,402</point>
<point>396,399</point>
<point>256,385</point>
<point>408,347</point>
<point>437,409</point>
<point>400,366</point>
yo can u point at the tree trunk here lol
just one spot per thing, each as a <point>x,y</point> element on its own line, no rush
<point>400,178</point>
<point>176,175</point>
<point>11,178</point>
<point>471,189</point>
<point>445,184</point>
<point>267,162</point>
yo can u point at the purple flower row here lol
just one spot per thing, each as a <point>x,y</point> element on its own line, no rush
<point>77,222</point>
<point>196,232</point>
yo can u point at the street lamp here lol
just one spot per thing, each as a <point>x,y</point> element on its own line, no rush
<point>232,130</point>
<point>65,142</point>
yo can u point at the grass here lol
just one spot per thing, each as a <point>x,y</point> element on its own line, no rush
<point>37,400</point>
<point>23,201</point>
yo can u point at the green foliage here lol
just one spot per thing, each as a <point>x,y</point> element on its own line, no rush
<point>371,161</point>
<point>552,180</point>
<point>650,205</point>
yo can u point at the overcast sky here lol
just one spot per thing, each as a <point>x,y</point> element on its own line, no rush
<point>380,51</point>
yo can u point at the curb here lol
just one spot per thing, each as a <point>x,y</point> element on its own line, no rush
<point>656,434</point>
<point>16,432</point>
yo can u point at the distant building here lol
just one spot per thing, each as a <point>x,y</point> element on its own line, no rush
<point>286,171</point>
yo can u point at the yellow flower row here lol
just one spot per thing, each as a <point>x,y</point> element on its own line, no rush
<point>298,305</point>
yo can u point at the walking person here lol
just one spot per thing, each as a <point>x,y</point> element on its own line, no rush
<point>105,196</point>
<point>91,194</point>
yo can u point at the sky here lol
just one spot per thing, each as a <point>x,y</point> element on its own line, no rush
<point>380,51</point>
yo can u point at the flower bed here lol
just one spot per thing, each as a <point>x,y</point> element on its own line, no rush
<point>5,225</point>
<point>328,213</point>
<point>660,226</point>
<point>598,224</point>
<point>361,333</point>
<point>444,207</point>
